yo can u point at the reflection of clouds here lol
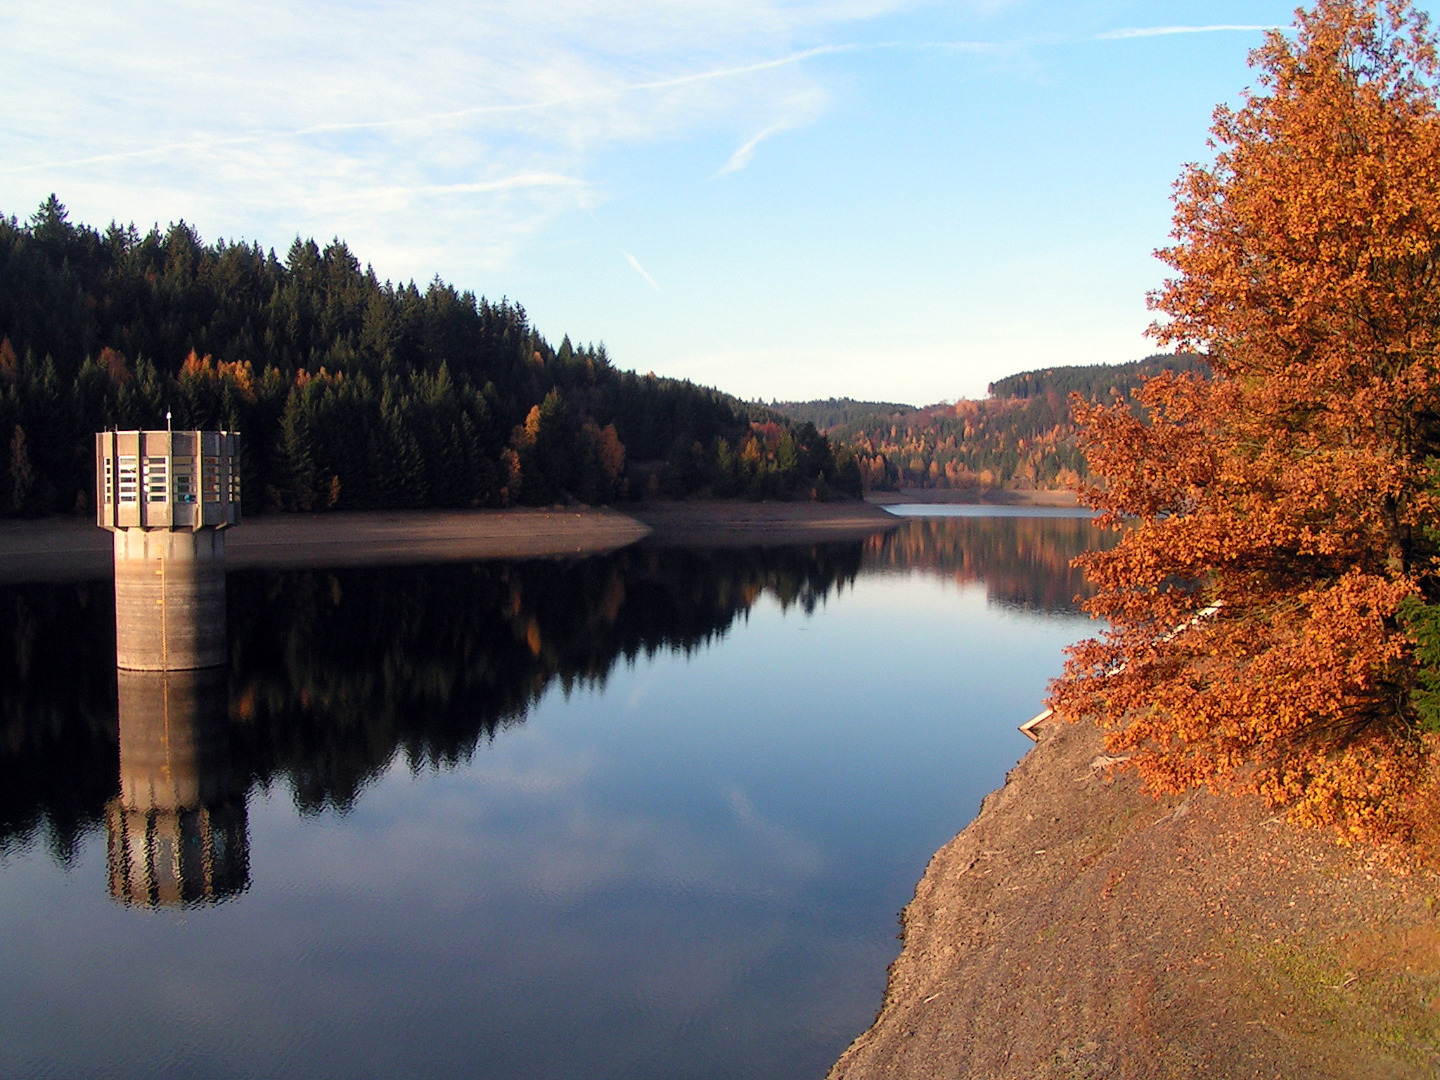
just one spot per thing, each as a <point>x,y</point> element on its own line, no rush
<point>791,849</point>
<point>519,890</point>
<point>640,692</point>
<point>526,821</point>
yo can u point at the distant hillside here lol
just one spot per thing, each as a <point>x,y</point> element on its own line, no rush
<point>1091,381</point>
<point>835,412</point>
<point>1021,436</point>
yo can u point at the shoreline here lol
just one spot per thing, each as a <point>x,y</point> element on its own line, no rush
<point>65,549</point>
<point>1079,927</point>
<point>974,497</point>
<point>737,524</point>
<point>75,549</point>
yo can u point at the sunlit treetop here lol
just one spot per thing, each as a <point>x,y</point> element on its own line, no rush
<point>1275,515</point>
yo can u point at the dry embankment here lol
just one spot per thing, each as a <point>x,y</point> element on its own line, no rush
<point>736,523</point>
<point>73,549</point>
<point>55,549</point>
<point>1079,928</point>
<point>974,496</point>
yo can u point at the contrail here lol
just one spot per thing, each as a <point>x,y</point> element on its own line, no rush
<point>1163,31</point>
<point>741,157</point>
<point>635,265</point>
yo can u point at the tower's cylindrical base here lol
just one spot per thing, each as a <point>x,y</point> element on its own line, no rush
<point>169,599</point>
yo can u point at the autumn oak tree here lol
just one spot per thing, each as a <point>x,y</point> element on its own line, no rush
<point>1274,516</point>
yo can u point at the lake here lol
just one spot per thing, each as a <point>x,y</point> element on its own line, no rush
<point>651,814</point>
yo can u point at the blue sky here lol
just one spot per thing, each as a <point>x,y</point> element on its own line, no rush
<point>783,198</point>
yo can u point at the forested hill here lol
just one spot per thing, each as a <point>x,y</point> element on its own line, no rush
<point>1093,382</point>
<point>837,412</point>
<point>348,391</point>
<point>1021,436</point>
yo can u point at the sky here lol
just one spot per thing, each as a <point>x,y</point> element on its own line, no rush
<point>890,200</point>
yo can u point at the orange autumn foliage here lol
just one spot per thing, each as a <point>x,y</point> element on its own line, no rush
<point>197,369</point>
<point>1274,517</point>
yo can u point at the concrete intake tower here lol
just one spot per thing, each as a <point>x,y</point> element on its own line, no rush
<point>168,496</point>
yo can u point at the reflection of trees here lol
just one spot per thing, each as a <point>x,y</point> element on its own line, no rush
<point>335,673</point>
<point>1024,562</point>
<point>58,725</point>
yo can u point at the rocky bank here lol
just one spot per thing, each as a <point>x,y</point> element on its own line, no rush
<point>1079,928</point>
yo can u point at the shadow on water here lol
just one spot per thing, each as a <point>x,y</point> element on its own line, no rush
<point>332,675</point>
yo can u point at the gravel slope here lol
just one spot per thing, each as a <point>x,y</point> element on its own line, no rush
<point>1079,928</point>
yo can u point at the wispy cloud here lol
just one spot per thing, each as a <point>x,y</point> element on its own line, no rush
<point>452,116</point>
<point>402,128</point>
<point>480,187</point>
<point>440,137</point>
<point>635,265</point>
<point>1165,31</point>
<point>751,69</point>
<point>475,120</point>
<point>742,156</point>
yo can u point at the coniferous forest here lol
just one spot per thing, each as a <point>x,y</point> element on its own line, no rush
<point>349,392</point>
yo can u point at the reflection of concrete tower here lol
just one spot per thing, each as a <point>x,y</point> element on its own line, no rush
<point>177,832</point>
<point>168,497</point>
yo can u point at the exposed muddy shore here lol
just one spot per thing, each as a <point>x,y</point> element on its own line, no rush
<point>1080,928</point>
<point>72,548</point>
<point>973,497</point>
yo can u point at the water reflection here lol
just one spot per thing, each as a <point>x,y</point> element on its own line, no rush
<point>1023,562</point>
<point>177,831</point>
<point>58,720</point>
<point>335,673</point>
<point>332,674</point>
<point>693,873</point>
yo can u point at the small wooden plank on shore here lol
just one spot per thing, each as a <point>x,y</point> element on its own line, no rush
<point>1028,728</point>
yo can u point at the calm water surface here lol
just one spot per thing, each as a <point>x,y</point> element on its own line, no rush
<point>648,815</point>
